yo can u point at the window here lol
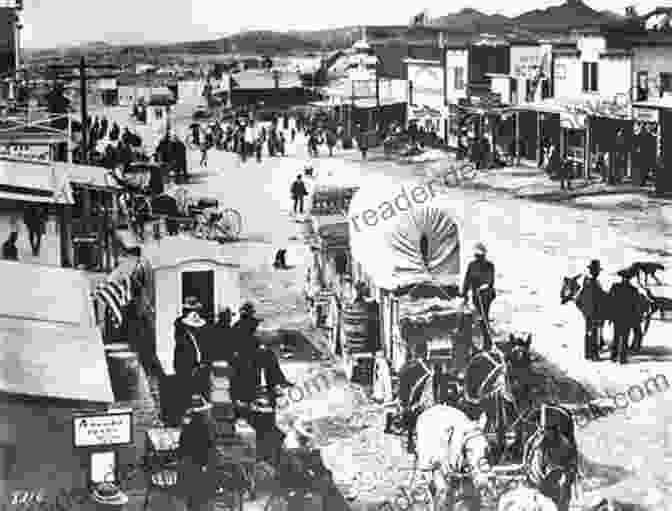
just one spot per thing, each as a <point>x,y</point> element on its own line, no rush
<point>665,83</point>
<point>459,78</point>
<point>642,86</point>
<point>590,77</point>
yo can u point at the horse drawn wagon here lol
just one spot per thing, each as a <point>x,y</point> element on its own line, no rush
<point>147,197</point>
<point>405,249</point>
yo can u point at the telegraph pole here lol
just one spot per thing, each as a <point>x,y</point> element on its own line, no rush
<point>85,117</point>
<point>61,72</point>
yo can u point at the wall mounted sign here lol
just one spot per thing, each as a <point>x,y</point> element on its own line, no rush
<point>27,153</point>
<point>112,428</point>
<point>645,114</point>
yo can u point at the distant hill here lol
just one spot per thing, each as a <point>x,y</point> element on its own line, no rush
<point>551,21</point>
<point>472,20</point>
<point>559,18</point>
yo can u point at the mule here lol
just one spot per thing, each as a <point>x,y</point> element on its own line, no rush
<point>456,447</point>
<point>551,456</point>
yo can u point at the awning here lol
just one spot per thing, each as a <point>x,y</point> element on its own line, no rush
<point>47,328</point>
<point>423,112</point>
<point>402,237</point>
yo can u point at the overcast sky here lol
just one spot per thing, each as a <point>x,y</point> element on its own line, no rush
<point>49,23</point>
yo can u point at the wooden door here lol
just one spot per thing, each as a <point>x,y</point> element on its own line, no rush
<point>200,284</point>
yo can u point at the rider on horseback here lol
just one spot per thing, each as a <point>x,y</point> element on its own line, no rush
<point>590,299</point>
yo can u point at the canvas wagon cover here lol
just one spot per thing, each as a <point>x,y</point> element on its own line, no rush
<point>402,236</point>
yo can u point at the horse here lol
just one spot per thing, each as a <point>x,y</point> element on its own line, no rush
<point>524,498</point>
<point>551,455</point>
<point>487,389</point>
<point>456,447</point>
<point>570,291</point>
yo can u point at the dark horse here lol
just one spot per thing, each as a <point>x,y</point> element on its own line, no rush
<point>551,455</point>
<point>570,291</point>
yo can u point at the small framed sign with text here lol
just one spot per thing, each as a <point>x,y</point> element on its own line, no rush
<point>109,429</point>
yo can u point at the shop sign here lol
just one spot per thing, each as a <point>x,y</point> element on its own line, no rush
<point>645,114</point>
<point>27,153</point>
<point>112,428</point>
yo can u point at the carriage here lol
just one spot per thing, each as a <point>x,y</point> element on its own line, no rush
<point>146,197</point>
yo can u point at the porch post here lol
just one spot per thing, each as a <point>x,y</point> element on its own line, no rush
<point>586,156</point>
<point>516,144</point>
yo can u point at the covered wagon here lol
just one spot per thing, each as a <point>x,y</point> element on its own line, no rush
<point>405,248</point>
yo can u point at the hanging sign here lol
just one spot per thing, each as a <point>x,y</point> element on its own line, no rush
<point>112,428</point>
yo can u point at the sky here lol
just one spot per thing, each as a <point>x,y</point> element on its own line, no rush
<point>50,23</point>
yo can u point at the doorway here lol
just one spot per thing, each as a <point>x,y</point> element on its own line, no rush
<point>200,284</point>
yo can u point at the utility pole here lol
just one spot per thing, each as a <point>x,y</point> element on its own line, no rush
<point>85,118</point>
<point>61,71</point>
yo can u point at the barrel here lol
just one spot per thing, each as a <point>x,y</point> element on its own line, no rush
<point>363,368</point>
<point>322,300</point>
<point>360,327</point>
<point>125,374</point>
<point>221,382</point>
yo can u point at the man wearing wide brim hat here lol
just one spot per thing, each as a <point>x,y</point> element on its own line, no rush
<point>591,302</point>
<point>187,356</point>
<point>625,304</point>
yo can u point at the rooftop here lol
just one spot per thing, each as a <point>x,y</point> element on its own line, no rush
<point>47,328</point>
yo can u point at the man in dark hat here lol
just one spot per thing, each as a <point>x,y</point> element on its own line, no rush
<point>188,357</point>
<point>196,453</point>
<point>590,301</point>
<point>625,303</point>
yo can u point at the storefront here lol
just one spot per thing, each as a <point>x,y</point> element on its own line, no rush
<point>552,123</point>
<point>653,131</point>
<point>610,141</point>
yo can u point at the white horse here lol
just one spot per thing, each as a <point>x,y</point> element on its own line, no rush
<point>449,440</point>
<point>525,499</point>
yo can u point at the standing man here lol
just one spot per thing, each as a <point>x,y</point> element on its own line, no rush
<point>625,301</point>
<point>590,301</point>
<point>188,357</point>
<point>480,280</point>
<point>298,192</point>
<point>197,451</point>
<point>35,218</point>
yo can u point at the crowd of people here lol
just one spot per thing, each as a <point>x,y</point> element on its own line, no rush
<point>256,378</point>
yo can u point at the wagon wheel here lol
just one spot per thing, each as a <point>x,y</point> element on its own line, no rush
<point>467,171</point>
<point>230,224</point>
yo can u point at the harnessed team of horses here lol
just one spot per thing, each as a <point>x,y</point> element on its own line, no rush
<point>487,432</point>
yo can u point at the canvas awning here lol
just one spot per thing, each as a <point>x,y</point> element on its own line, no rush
<point>402,237</point>
<point>424,112</point>
<point>47,328</point>
<point>569,117</point>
